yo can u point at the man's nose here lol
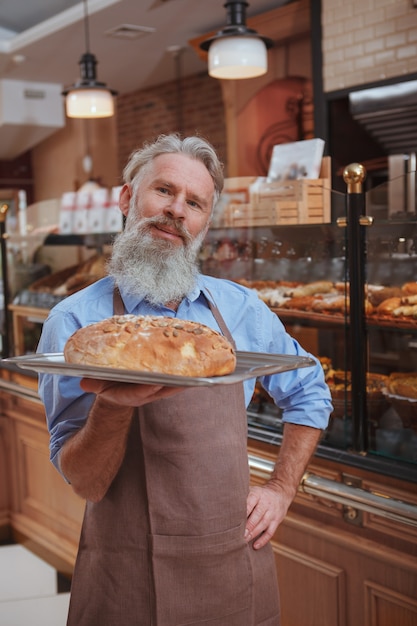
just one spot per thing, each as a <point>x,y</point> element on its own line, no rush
<point>176,207</point>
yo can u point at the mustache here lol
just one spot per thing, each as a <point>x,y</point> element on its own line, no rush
<point>145,223</point>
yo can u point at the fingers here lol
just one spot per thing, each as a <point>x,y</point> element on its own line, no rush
<point>265,512</point>
<point>91,385</point>
<point>261,526</point>
<point>265,537</point>
<point>127,394</point>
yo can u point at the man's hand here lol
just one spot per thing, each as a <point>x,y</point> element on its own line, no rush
<point>266,508</point>
<point>127,394</point>
<point>268,505</point>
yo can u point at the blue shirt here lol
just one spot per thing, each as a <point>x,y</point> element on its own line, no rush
<point>302,394</point>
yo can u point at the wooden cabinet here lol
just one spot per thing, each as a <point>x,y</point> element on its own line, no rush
<point>336,569</point>
<point>334,578</point>
<point>4,482</point>
<point>43,512</point>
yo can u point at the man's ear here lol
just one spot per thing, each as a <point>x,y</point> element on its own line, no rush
<point>124,199</point>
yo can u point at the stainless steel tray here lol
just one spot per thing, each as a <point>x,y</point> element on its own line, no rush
<point>249,365</point>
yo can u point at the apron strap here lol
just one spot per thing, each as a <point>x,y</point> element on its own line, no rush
<point>119,309</point>
<point>118,304</point>
<point>218,317</point>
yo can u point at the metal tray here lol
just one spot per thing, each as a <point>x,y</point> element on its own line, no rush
<point>249,365</point>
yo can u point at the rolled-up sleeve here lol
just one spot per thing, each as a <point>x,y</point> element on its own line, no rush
<point>302,394</point>
<point>66,405</point>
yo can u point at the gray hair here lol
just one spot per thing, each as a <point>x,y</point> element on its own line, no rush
<point>194,147</point>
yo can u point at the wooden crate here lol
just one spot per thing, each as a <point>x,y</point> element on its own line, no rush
<point>285,202</point>
<point>247,214</point>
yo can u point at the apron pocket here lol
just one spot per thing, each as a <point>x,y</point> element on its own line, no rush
<point>202,579</point>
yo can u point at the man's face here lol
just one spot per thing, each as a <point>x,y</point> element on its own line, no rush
<point>156,255</point>
<point>178,189</point>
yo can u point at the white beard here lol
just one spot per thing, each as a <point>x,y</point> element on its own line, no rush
<point>160,271</point>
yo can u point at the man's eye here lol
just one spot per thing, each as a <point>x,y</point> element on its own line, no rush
<point>194,205</point>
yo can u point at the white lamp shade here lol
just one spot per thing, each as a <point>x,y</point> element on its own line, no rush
<point>237,57</point>
<point>89,103</point>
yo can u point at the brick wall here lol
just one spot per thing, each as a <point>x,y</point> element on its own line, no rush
<point>366,41</point>
<point>196,105</point>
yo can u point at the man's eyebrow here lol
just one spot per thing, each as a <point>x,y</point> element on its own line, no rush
<point>160,182</point>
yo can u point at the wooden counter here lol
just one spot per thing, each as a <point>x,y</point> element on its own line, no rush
<point>36,506</point>
<point>335,567</point>
<point>340,567</point>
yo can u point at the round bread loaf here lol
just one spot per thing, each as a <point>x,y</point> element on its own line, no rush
<point>162,345</point>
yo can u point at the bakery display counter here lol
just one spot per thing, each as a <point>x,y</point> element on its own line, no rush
<point>37,507</point>
<point>349,296</point>
<point>352,533</point>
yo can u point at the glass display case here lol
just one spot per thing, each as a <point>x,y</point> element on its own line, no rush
<point>332,285</point>
<point>390,282</point>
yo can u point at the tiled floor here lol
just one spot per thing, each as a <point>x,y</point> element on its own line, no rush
<point>29,590</point>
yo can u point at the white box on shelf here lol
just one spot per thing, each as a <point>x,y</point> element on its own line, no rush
<point>82,207</point>
<point>67,212</point>
<point>96,215</point>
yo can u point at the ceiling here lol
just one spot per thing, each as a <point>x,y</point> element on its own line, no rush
<point>42,40</point>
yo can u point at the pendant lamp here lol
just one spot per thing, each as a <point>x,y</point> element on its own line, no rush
<point>237,51</point>
<point>88,98</point>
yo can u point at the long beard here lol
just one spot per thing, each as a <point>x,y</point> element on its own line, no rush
<point>159,270</point>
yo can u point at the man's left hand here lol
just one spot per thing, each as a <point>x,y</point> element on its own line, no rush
<point>266,508</point>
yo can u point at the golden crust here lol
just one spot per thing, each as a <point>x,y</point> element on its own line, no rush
<point>403,384</point>
<point>377,296</point>
<point>410,288</point>
<point>386,307</point>
<point>301,303</point>
<point>310,289</point>
<point>162,345</point>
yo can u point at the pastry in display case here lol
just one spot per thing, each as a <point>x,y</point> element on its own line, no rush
<point>42,266</point>
<point>301,271</point>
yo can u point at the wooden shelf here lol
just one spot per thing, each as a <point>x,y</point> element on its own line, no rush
<point>337,319</point>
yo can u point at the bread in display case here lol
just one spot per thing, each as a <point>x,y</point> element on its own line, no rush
<point>301,271</point>
<point>55,267</point>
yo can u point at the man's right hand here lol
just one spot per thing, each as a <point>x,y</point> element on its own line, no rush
<point>127,394</point>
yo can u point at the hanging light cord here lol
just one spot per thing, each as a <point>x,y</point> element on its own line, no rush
<point>86,28</point>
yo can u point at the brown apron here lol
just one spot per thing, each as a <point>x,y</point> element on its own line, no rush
<point>165,546</point>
